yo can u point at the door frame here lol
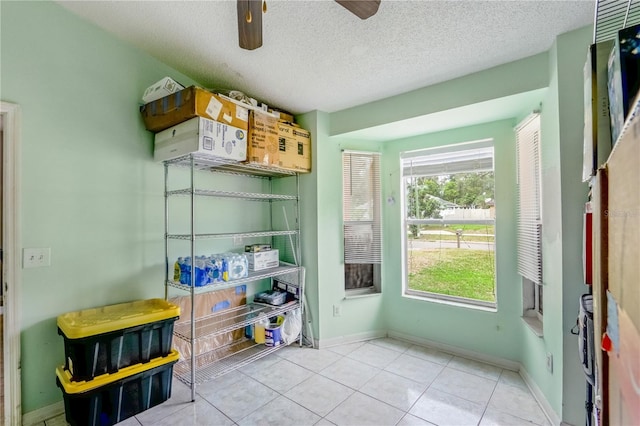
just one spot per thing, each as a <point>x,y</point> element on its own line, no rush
<point>11,270</point>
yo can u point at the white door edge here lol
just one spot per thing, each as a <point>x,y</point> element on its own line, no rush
<point>11,278</point>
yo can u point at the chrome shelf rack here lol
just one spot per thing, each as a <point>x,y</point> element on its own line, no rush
<point>204,363</point>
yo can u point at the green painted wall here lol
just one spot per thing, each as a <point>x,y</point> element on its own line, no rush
<point>493,333</point>
<point>360,315</point>
<point>92,193</point>
<point>315,122</point>
<point>572,48</point>
<point>321,193</point>
<point>480,331</point>
<point>518,77</point>
<point>90,188</point>
<point>563,198</point>
<point>504,80</point>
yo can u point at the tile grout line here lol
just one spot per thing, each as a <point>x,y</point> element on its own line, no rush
<point>422,394</point>
<point>491,396</point>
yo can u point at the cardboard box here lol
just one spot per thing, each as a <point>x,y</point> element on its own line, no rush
<point>221,303</point>
<point>201,135</point>
<point>263,259</point>
<point>191,102</point>
<point>262,146</point>
<point>282,116</point>
<point>160,89</point>
<point>294,148</point>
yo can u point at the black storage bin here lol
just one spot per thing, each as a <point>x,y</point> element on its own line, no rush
<point>104,340</point>
<point>112,398</point>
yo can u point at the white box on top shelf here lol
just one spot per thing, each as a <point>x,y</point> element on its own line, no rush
<point>160,89</point>
<point>203,136</point>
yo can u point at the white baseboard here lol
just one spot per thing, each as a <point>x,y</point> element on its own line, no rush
<point>352,338</point>
<point>45,413</point>
<point>539,396</point>
<point>454,350</point>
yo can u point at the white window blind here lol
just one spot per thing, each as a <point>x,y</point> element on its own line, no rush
<point>529,208</point>
<point>361,201</point>
<point>443,163</point>
<point>468,157</point>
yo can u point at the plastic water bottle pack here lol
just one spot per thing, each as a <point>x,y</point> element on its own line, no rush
<point>212,269</point>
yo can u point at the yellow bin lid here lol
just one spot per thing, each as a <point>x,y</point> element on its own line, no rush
<point>105,379</point>
<point>91,322</point>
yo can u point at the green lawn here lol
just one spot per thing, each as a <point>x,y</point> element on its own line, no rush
<point>455,272</point>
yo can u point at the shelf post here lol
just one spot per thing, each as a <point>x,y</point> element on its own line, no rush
<point>193,282</point>
<point>166,231</point>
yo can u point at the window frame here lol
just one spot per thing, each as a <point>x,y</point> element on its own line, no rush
<point>532,290</point>
<point>375,257</point>
<point>406,222</point>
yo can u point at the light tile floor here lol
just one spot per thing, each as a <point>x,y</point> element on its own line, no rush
<point>379,382</point>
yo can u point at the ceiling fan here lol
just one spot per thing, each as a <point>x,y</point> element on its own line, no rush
<point>250,18</point>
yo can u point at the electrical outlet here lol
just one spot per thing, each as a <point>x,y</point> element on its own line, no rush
<point>549,362</point>
<point>337,310</point>
<point>36,257</point>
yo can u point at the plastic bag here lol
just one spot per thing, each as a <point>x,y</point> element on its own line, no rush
<point>292,326</point>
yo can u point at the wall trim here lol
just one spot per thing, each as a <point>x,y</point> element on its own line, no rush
<point>551,414</point>
<point>11,267</point>
<point>489,359</point>
<point>352,338</point>
<point>38,416</point>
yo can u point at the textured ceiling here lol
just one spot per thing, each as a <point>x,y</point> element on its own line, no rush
<point>317,55</point>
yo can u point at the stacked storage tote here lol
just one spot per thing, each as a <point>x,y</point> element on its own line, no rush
<point>118,360</point>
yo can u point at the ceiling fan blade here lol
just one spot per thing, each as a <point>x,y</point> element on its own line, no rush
<point>250,23</point>
<point>363,9</point>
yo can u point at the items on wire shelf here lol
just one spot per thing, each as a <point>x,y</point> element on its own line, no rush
<point>221,330</point>
<point>223,267</point>
<point>196,120</point>
<point>216,268</point>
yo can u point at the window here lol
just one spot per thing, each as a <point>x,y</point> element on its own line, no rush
<point>361,203</point>
<point>449,223</point>
<point>529,215</point>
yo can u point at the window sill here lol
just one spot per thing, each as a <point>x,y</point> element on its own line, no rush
<point>534,323</point>
<point>360,293</point>
<point>481,306</point>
